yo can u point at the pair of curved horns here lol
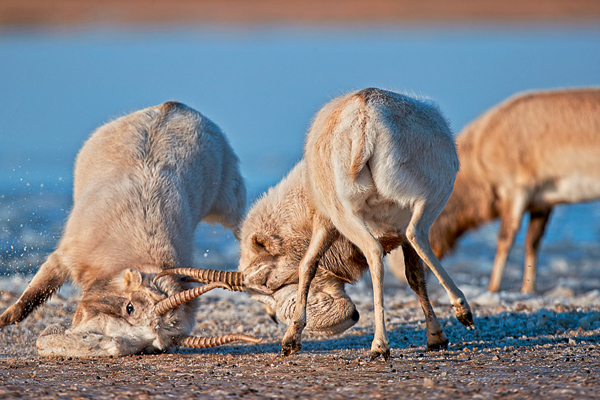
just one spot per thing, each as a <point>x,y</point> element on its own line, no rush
<point>233,279</point>
<point>177,299</point>
<point>213,279</point>
<point>229,280</point>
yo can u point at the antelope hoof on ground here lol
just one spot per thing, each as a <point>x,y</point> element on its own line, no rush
<point>443,345</point>
<point>290,346</point>
<point>384,353</point>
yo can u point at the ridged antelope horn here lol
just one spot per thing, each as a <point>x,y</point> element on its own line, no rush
<point>195,342</point>
<point>177,299</point>
<point>233,279</point>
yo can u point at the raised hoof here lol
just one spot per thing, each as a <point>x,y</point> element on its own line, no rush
<point>385,354</point>
<point>437,346</point>
<point>289,347</point>
<point>466,320</point>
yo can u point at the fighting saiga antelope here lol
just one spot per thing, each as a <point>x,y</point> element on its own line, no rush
<point>142,183</point>
<point>526,155</point>
<point>377,170</point>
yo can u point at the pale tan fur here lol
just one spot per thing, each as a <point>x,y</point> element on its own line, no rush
<point>526,155</point>
<point>378,168</point>
<point>142,184</point>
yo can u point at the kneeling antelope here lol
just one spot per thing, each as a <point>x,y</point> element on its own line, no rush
<point>142,184</point>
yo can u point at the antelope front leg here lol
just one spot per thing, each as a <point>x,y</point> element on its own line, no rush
<point>46,281</point>
<point>321,239</point>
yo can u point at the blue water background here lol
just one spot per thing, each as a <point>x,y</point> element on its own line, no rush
<point>261,86</point>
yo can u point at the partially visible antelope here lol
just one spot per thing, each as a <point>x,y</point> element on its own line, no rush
<point>526,155</point>
<point>377,170</point>
<point>142,183</point>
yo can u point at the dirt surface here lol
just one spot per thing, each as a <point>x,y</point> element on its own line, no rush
<point>559,371</point>
<point>528,348</point>
<point>127,12</point>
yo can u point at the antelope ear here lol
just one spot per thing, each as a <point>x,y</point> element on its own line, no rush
<point>237,234</point>
<point>262,242</point>
<point>129,280</point>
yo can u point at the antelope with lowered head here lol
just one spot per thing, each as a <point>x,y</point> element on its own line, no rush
<point>526,155</point>
<point>142,183</point>
<point>377,170</point>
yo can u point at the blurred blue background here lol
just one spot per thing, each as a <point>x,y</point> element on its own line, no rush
<point>261,85</point>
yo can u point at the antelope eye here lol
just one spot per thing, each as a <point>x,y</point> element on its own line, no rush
<point>129,308</point>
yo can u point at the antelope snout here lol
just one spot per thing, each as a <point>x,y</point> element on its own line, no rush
<point>326,313</point>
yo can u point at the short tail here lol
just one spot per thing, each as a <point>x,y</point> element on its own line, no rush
<point>363,143</point>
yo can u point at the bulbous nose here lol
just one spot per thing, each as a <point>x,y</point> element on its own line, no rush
<point>355,315</point>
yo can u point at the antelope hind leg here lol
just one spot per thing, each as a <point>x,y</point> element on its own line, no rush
<point>510,220</point>
<point>415,275</point>
<point>357,232</point>
<point>535,231</point>
<point>418,235</point>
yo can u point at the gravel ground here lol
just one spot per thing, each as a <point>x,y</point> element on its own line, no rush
<point>544,346</point>
<point>523,347</point>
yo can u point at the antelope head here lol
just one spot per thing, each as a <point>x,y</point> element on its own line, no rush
<point>330,310</point>
<point>138,313</point>
<point>270,275</point>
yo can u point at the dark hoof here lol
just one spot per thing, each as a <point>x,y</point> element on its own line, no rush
<point>289,347</point>
<point>375,355</point>
<point>437,346</point>
<point>466,320</point>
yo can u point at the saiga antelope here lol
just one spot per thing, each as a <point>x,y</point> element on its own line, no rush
<point>526,155</point>
<point>377,170</point>
<point>142,184</point>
